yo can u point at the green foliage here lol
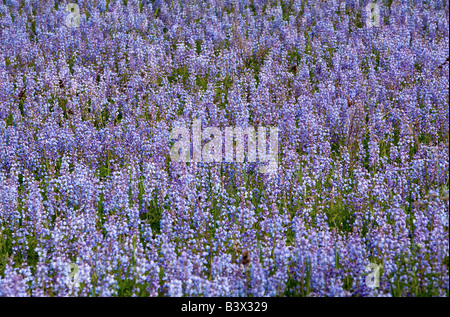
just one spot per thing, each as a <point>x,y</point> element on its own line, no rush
<point>290,235</point>
<point>152,214</point>
<point>32,255</point>
<point>32,32</point>
<point>296,287</point>
<point>339,215</point>
<point>358,20</point>
<point>10,120</point>
<point>418,67</point>
<point>103,117</point>
<point>396,136</point>
<point>389,3</point>
<point>348,283</point>
<point>126,288</point>
<point>410,265</point>
<point>294,59</point>
<point>255,62</point>
<point>365,142</point>
<point>286,10</point>
<point>198,46</point>
<point>202,82</point>
<point>101,215</point>
<point>71,62</point>
<point>385,148</point>
<point>5,249</point>
<point>223,86</point>
<point>179,73</point>
<point>252,8</point>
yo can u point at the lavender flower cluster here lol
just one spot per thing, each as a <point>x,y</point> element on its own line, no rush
<point>86,180</point>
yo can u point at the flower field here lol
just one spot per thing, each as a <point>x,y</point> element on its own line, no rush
<point>91,203</point>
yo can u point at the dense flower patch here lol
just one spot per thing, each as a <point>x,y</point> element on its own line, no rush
<point>87,184</point>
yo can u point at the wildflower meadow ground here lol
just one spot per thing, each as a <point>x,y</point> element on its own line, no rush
<point>220,148</point>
